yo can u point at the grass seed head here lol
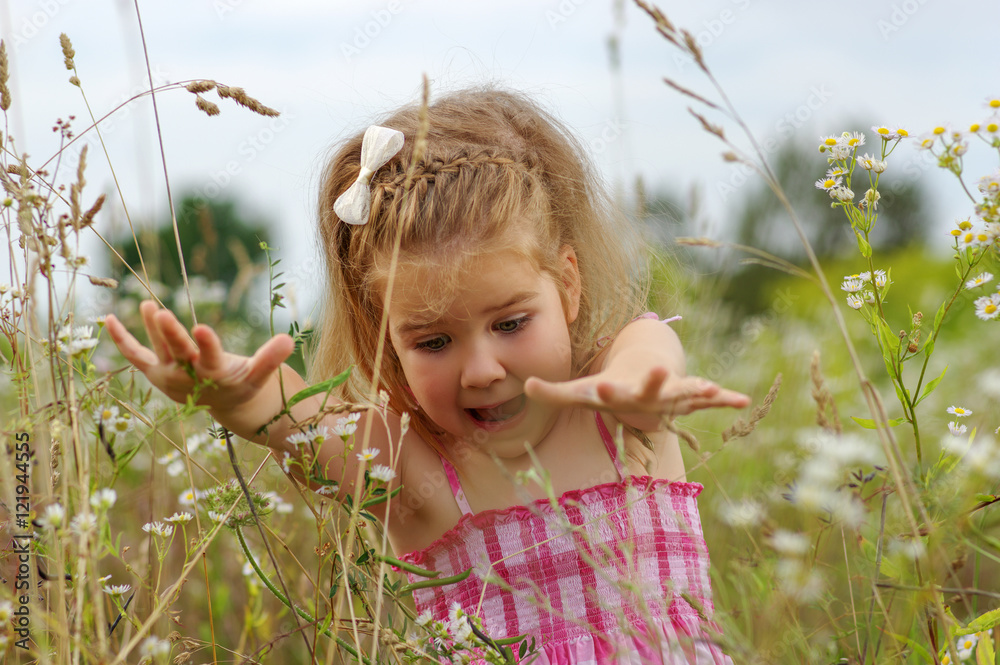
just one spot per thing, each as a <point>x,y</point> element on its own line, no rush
<point>68,52</point>
<point>4,77</point>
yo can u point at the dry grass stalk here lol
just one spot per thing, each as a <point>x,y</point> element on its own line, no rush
<point>68,52</point>
<point>823,398</point>
<point>210,108</point>
<point>742,427</point>
<point>4,77</point>
<point>684,435</point>
<point>88,217</point>
<point>106,282</point>
<point>240,96</point>
<point>200,86</point>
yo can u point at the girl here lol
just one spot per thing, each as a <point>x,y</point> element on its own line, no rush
<point>479,278</point>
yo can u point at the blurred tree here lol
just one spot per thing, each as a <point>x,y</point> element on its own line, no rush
<point>221,247</point>
<point>760,221</point>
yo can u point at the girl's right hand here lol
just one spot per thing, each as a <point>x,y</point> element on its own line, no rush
<point>176,363</point>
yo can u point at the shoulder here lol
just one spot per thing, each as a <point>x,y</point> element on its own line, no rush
<point>654,339</point>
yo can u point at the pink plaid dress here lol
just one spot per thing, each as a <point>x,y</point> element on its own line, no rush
<point>598,579</point>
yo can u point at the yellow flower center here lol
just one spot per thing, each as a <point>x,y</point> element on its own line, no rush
<point>882,130</point>
<point>982,237</point>
<point>974,127</point>
<point>959,411</point>
<point>829,182</point>
<point>992,127</point>
<point>965,226</point>
<point>121,425</point>
<point>830,141</point>
<point>105,414</point>
<point>956,232</point>
<point>902,132</point>
<point>939,130</point>
<point>990,308</point>
<point>995,103</point>
<point>853,141</point>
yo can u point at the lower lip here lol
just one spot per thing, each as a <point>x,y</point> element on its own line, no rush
<point>498,425</point>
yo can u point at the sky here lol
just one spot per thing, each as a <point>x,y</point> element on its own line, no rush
<point>796,70</point>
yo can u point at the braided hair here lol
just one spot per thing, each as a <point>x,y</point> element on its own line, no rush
<point>496,172</point>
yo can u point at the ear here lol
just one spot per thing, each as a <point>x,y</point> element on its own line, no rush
<point>571,283</point>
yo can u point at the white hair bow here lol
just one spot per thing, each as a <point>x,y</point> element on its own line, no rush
<point>378,146</point>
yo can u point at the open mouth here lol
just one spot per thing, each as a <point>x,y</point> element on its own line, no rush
<point>500,412</point>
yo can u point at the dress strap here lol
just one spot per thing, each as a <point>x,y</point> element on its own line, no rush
<point>456,486</point>
<point>609,443</point>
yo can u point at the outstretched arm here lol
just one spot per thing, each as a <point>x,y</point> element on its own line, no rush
<point>242,393</point>
<point>641,379</point>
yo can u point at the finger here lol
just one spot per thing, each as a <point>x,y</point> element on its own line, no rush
<point>179,343</point>
<point>211,355</point>
<point>129,346</point>
<point>654,382</point>
<point>564,393</point>
<point>269,357</point>
<point>148,309</point>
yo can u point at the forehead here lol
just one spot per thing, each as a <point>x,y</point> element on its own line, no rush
<point>426,290</point>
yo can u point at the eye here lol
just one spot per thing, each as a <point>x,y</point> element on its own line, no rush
<point>433,344</point>
<point>512,325</point>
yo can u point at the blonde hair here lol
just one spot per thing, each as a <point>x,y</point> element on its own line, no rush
<point>496,172</point>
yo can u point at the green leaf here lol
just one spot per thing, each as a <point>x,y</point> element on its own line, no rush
<point>869,423</point>
<point>940,315</point>
<point>985,621</point>
<point>929,347</point>
<point>441,581</point>
<point>863,246</point>
<point>985,498</point>
<point>985,653</point>
<point>321,387</point>
<point>915,646</point>
<point>931,385</point>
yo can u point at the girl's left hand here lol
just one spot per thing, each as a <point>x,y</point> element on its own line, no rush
<point>659,392</point>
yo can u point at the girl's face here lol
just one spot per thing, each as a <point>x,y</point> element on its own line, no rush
<point>466,362</point>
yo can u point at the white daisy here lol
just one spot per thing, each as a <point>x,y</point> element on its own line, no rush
<point>179,518</point>
<point>979,280</point>
<point>54,515</point>
<point>83,524</point>
<point>852,284</point>
<point>881,279</point>
<point>106,415</point>
<point>117,589</point>
<point>368,454</point>
<point>966,645</point>
<point>123,423</point>
<point>988,307</point>
<point>852,139</point>
<point>867,162</point>
<point>956,429</point>
<point>424,618</point>
<point>344,427</point>
<point>959,411</point>
<point>159,528</point>
<point>382,472</point>
<point>103,499</point>
<point>855,301</point>
<point>842,194</point>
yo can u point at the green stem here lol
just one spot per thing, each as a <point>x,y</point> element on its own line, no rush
<point>280,596</point>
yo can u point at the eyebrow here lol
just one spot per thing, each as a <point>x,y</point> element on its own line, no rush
<point>417,325</point>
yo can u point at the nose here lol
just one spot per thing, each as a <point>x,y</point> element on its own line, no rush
<point>482,367</point>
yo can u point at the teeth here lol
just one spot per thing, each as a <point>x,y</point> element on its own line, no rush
<point>501,412</point>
